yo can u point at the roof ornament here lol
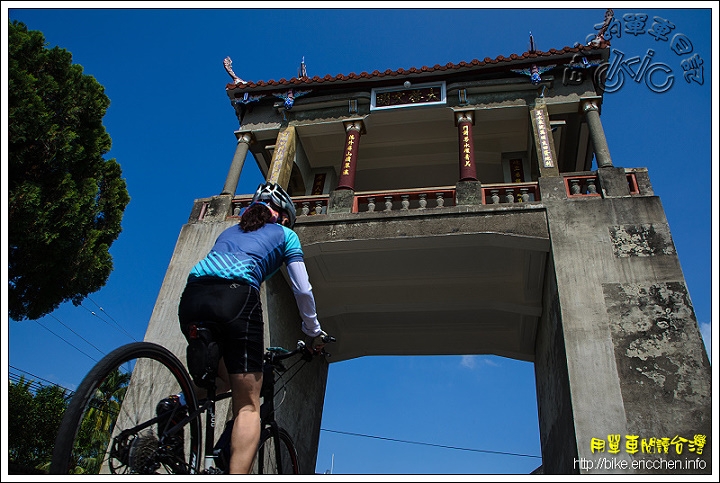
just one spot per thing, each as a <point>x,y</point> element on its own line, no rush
<point>532,43</point>
<point>302,71</point>
<point>289,98</point>
<point>227,62</point>
<point>534,71</point>
<point>601,33</point>
<point>581,62</point>
<point>247,98</point>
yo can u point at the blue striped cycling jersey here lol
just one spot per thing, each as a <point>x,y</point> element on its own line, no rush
<point>252,256</point>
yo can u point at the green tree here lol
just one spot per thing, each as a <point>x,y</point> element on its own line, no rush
<point>33,422</point>
<point>66,201</point>
<point>98,424</point>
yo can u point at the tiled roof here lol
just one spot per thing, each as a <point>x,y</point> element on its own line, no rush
<point>537,55</point>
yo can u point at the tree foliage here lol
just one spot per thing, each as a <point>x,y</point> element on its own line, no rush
<point>66,201</point>
<point>35,417</point>
<point>98,424</point>
<point>33,422</point>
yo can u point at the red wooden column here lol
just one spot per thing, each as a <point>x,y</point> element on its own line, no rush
<point>353,130</point>
<point>464,121</point>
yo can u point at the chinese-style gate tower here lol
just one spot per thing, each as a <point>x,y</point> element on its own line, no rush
<point>483,200</point>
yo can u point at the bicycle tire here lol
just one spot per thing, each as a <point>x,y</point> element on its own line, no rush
<point>84,446</point>
<point>265,462</point>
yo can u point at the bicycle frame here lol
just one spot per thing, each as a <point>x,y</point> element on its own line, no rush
<point>159,443</point>
<point>210,423</point>
<point>271,363</point>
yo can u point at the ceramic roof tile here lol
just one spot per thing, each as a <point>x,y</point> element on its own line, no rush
<point>424,69</point>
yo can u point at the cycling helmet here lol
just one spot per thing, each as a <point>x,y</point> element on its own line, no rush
<point>273,193</point>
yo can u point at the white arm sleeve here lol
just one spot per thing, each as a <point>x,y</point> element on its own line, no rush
<point>304,297</point>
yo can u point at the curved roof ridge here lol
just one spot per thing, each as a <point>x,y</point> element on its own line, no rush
<point>537,54</point>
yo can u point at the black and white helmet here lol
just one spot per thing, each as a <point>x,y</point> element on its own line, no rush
<point>273,193</point>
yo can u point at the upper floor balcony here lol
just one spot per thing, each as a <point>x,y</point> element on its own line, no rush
<point>477,133</point>
<point>421,194</point>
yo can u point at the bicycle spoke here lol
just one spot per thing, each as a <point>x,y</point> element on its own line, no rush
<point>111,425</point>
<point>266,460</point>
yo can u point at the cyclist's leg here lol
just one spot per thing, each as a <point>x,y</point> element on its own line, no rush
<point>222,382</point>
<point>102,430</point>
<point>266,460</point>
<point>236,311</point>
<point>246,411</point>
<point>242,350</point>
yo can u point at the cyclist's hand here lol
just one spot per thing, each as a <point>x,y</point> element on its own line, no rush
<point>318,342</point>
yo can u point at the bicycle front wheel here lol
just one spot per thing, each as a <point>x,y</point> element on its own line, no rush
<point>111,424</point>
<point>266,460</point>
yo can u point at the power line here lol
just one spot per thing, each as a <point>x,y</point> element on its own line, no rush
<point>36,385</point>
<point>347,433</point>
<point>68,328</point>
<point>432,444</point>
<point>108,323</point>
<point>76,348</point>
<point>30,383</point>
<point>81,337</point>
<point>111,318</point>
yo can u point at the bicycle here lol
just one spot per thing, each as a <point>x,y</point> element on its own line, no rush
<point>109,427</point>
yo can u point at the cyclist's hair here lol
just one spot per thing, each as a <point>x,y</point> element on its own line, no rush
<point>275,194</point>
<point>255,216</point>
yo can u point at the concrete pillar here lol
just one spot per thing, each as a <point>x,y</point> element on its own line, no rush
<point>464,121</point>
<point>621,371</point>
<point>597,134</point>
<point>303,397</point>
<point>299,406</point>
<point>243,145</point>
<point>341,201</point>
<point>353,130</point>
<point>283,157</point>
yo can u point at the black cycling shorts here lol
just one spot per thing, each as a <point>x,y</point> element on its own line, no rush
<point>234,309</point>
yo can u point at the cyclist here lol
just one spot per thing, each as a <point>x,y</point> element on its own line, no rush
<point>224,288</point>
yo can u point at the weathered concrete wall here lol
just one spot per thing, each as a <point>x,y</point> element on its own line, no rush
<point>635,357</point>
<point>555,413</point>
<point>194,242</point>
<point>300,393</point>
<point>662,364</point>
<point>524,220</point>
<point>618,350</point>
<point>299,406</point>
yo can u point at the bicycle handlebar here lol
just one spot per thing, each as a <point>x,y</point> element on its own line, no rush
<point>279,353</point>
<point>327,338</point>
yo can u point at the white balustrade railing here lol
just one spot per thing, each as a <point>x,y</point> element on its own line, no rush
<point>404,200</point>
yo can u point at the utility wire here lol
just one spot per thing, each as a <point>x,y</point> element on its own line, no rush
<point>76,348</point>
<point>432,444</point>
<point>458,448</point>
<point>108,323</point>
<point>111,318</point>
<point>16,378</point>
<point>30,383</point>
<point>81,337</point>
<point>68,328</point>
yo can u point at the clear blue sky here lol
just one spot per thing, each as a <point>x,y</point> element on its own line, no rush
<point>172,128</point>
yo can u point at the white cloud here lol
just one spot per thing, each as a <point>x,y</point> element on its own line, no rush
<point>471,362</point>
<point>468,362</point>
